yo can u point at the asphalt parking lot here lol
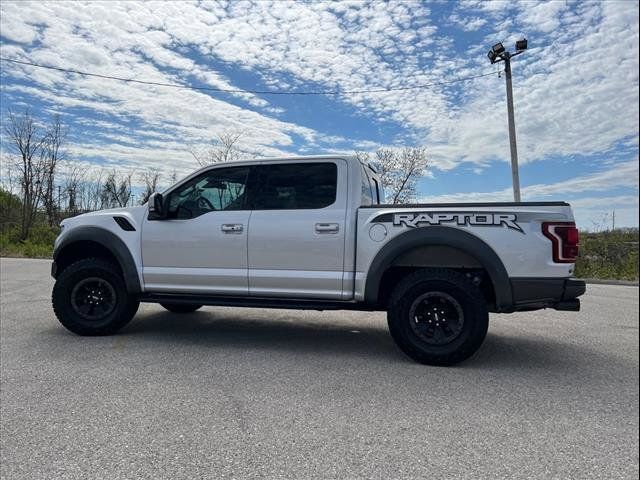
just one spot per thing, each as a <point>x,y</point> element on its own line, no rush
<point>241,393</point>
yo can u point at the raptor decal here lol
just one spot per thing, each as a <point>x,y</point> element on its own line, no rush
<point>476,219</point>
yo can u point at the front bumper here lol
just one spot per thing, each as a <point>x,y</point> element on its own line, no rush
<point>537,293</point>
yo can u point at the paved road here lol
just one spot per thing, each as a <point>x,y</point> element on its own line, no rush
<point>235,393</point>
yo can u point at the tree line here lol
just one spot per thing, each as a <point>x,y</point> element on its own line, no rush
<point>41,184</point>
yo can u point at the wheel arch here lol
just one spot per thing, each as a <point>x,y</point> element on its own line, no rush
<point>83,242</point>
<point>405,249</point>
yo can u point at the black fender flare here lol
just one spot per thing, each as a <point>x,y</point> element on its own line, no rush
<point>439,235</point>
<point>111,242</point>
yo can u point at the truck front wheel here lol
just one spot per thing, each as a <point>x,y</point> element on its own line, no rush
<point>437,316</point>
<point>91,298</point>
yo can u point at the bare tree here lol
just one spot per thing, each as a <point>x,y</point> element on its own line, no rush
<point>150,178</point>
<point>400,170</point>
<point>223,149</point>
<point>72,187</point>
<point>91,191</point>
<point>602,224</point>
<point>86,190</point>
<point>9,178</point>
<point>26,145</point>
<point>52,152</point>
<point>116,190</point>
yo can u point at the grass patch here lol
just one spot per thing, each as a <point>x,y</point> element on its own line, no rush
<point>38,245</point>
<point>608,255</point>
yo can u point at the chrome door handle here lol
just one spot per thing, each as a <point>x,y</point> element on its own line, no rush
<point>232,227</point>
<point>327,228</point>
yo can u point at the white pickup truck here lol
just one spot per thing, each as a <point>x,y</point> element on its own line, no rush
<point>314,233</point>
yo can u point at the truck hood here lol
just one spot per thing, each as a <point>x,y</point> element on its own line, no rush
<point>134,214</point>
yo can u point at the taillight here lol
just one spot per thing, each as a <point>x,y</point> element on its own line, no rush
<point>565,240</point>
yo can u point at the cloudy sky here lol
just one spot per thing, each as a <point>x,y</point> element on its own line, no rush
<point>576,88</point>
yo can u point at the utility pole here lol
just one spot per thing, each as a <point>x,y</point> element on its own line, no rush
<point>613,222</point>
<point>497,54</point>
<point>515,175</point>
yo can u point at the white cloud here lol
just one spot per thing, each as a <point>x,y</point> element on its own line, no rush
<point>586,208</point>
<point>568,98</point>
<point>468,24</point>
<point>624,174</point>
<point>115,39</point>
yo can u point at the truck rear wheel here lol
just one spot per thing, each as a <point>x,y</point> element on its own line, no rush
<point>437,316</point>
<point>91,298</point>
<point>181,307</point>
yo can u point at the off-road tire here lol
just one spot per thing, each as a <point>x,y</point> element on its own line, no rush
<point>181,307</point>
<point>449,284</point>
<point>124,305</point>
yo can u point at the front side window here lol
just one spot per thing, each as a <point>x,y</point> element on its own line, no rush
<point>217,189</point>
<point>294,186</point>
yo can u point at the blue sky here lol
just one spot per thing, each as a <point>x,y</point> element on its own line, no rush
<point>576,88</point>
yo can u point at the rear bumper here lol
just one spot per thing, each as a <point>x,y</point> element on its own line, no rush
<point>537,293</point>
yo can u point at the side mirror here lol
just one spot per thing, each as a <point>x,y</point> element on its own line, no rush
<point>156,207</point>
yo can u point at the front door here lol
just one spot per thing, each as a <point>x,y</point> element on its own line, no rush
<point>202,246</point>
<point>297,230</point>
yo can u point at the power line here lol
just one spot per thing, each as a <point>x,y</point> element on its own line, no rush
<point>257,92</point>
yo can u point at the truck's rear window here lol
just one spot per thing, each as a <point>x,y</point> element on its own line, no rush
<point>294,186</point>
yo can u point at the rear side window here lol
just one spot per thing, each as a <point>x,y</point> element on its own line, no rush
<point>367,194</point>
<point>295,186</point>
<point>378,196</point>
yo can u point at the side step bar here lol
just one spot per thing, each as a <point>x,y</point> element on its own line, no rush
<point>254,302</point>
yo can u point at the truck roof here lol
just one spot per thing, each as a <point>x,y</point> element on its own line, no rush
<point>301,158</point>
<point>249,161</point>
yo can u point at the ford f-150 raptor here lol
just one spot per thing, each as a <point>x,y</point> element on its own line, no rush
<point>314,233</point>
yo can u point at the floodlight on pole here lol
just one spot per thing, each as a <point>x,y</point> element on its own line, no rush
<point>498,48</point>
<point>497,54</point>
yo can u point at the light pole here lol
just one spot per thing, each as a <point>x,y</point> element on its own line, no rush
<point>499,54</point>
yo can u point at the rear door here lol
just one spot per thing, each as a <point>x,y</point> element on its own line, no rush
<point>297,230</point>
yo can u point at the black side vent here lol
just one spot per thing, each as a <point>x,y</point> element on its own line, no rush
<point>124,224</point>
